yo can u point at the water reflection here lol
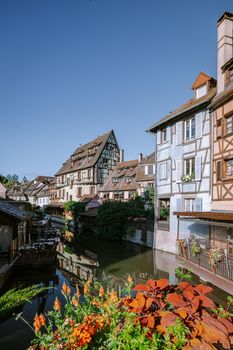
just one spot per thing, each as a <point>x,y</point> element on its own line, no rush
<point>116,260</point>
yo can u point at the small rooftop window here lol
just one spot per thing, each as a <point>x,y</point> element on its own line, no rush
<point>201,91</point>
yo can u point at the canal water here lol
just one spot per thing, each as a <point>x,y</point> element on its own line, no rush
<point>116,261</point>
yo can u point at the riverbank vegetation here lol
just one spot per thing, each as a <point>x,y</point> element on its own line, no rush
<point>14,298</point>
<point>115,218</point>
<point>155,315</point>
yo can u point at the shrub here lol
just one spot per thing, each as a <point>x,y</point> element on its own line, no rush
<point>156,315</point>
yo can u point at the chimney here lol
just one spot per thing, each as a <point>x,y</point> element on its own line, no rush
<point>121,155</point>
<point>140,157</point>
<point>225,46</point>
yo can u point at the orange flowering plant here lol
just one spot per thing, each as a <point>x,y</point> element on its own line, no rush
<point>155,315</point>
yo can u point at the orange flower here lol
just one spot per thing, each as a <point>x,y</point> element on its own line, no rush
<point>86,288</point>
<point>66,289</point>
<point>57,304</point>
<point>39,321</point>
<point>101,292</point>
<point>129,279</point>
<point>113,296</point>
<point>75,302</point>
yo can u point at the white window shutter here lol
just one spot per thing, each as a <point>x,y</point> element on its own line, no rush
<point>154,169</point>
<point>198,126</point>
<point>146,169</point>
<point>198,204</point>
<point>168,133</point>
<point>179,204</point>
<point>158,137</point>
<point>179,126</point>
<point>178,170</point>
<point>197,168</point>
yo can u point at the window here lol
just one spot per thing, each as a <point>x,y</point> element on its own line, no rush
<point>190,204</point>
<point>89,173</point>
<point>164,135</point>
<point>228,76</point>
<point>229,167</point>
<point>63,193</point>
<point>190,129</point>
<point>201,91</point>
<point>189,166</point>
<point>67,195</point>
<point>79,175</point>
<point>163,171</point>
<point>70,197</point>
<point>92,190</point>
<point>229,125</point>
<point>128,179</point>
<point>79,192</point>
<point>115,180</point>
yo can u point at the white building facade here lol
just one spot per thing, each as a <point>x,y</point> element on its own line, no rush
<point>183,166</point>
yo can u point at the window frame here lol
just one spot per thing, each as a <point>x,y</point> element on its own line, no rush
<point>192,204</point>
<point>191,162</point>
<point>188,125</point>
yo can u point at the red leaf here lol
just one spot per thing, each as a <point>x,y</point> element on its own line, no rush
<point>189,295</point>
<point>141,299</point>
<point>162,283</point>
<point>206,302</point>
<point>149,301</point>
<point>141,287</point>
<point>195,304</point>
<point>176,299</point>
<point>202,289</point>
<point>151,322</point>
<point>168,318</point>
<point>185,285</point>
<point>151,283</point>
<point>227,324</point>
<point>182,313</point>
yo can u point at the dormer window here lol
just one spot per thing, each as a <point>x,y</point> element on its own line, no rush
<point>128,180</point>
<point>115,180</point>
<point>201,91</point>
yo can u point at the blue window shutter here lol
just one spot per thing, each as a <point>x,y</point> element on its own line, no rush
<point>179,204</point>
<point>198,127</point>
<point>197,168</point>
<point>179,127</point>
<point>198,203</point>
<point>178,170</point>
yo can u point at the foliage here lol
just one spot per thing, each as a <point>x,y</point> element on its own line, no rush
<point>76,207</point>
<point>155,315</point>
<point>183,274</point>
<point>114,217</point>
<point>164,213</point>
<point>9,180</point>
<point>215,256</point>
<point>14,298</point>
<point>188,178</point>
<point>194,247</point>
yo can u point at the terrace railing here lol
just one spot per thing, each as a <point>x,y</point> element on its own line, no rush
<point>222,266</point>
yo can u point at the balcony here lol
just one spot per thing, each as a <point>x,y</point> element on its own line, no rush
<point>215,260</point>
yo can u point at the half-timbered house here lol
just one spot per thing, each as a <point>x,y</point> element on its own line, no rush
<point>87,168</point>
<point>183,164</point>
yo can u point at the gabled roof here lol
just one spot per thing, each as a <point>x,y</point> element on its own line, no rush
<point>202,79</point>
<point>91,149</point>
<point>13,211</point>
<point>140,172</point>
<point>191,106</point>
<point>120,172</point>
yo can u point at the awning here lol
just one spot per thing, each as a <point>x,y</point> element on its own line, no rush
<point>206,215</point>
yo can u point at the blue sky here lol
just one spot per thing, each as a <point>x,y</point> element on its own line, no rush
<point>73,69</point>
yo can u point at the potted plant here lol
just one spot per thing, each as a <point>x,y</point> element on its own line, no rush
<point>195,249</point>
<point>215,255</point>
<point>188,178</point>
